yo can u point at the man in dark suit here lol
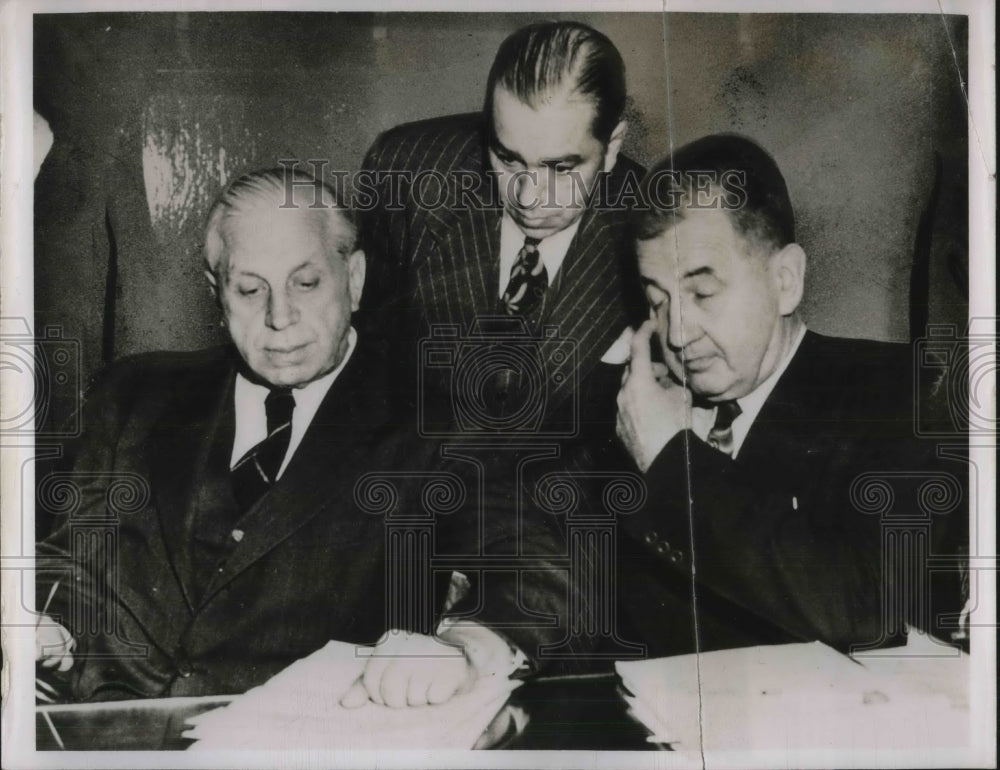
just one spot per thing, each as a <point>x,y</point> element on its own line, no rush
<point>517,212</point>
<point>214,530</point>
<point>787,490</point>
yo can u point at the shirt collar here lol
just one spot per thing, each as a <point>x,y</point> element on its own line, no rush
<point>251,419</point>
<point>753,402</point>
<point>750,405</point>
<point>552,249</point>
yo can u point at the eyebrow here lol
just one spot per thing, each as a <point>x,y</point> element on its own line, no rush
<point>699,271</point>
<point>500,149</point>
<point>696,273</point>
<point>573,160</point>
<point>307,263</point>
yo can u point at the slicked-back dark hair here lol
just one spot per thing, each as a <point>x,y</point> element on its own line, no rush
<point>743,179</point>
<point>541,58</point>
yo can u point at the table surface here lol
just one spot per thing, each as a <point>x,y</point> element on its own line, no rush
<point>562,712</point>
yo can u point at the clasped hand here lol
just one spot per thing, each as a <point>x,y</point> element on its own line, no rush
<point>416,669</point>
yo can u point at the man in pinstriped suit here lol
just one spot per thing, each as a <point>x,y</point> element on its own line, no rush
<point>501,268</point>
<point>449,205</point>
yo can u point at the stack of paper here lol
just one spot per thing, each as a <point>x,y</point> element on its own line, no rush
<point>797,696</point>
<point>299,709</point>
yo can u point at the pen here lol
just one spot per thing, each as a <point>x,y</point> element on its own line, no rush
<point>52,593</point>
<point>52,729</point>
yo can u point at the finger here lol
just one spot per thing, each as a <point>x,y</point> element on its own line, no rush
<point>662,374</point>
<point>639,363</point>
<point>372,678</point>
<point>395,681</point>
<point>355,697</point>
<point>50,661</point>
<point>497,729</point>
<point>620,426</point>
<point>66,662</point>
<point>66,637</point>
<point>448,681</point>
<point>416,690</point>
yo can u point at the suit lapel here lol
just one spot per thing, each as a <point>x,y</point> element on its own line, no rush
<point>588,310</point>
<point>322,473</point>
<point>182,443</point>
<point>785,426</point>
<point>460,277</point>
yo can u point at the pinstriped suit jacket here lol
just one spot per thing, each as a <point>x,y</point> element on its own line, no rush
<point>439,264</point>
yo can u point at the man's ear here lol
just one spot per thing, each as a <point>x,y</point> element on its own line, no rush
<point>213,285</point>
<point>789,269</point>
<point>356,265</point>
<point>614,145</point>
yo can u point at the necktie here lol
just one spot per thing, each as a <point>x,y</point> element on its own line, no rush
<point>258,469</point>
<point>524,297</point>
<point>721,435</point>
<point>528,281</point>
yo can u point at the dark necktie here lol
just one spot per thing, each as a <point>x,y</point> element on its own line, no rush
<point>528,282</point>
<point>721,435</point>
<point>523,297</point>
<point>258,469</point>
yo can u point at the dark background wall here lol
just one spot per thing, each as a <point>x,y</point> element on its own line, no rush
<point>152,113</point>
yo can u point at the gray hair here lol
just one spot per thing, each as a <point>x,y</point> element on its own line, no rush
<point>284,187</point>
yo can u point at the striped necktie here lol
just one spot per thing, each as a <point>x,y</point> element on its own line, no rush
<point>258,469</point>
<point>721,434</point>
<point>528,281</point>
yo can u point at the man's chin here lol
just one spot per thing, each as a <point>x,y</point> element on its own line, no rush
<point>289,376</point>
<point>706,387</point>
<point>540,229</point>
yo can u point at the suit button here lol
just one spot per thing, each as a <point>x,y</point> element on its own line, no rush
<point>663,548</point>
<point>184,670</point>
<point>676,557</point>
<point>650,538</point>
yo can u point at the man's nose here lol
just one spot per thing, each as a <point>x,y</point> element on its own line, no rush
<point>281,311</point>
<point>528,188</point>
<point>682,325</point>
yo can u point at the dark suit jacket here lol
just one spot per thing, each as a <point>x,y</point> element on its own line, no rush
<point>433,265</point>
<point>156,610</point>
<point>820,529</point>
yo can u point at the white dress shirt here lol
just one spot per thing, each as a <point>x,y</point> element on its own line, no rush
<point>702,420</point>
<point>251,416</point>
<point>552,249</point>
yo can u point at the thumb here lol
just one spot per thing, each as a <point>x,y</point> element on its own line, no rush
<point>355,697</point>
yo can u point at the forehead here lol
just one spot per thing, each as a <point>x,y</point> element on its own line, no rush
<point>704,238</point>
<point>265,233</point>
<point>555,125</point>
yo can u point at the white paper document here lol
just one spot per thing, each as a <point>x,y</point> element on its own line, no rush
<point>299,709</point>
<point>801,697</point>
